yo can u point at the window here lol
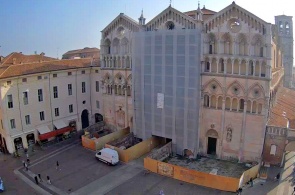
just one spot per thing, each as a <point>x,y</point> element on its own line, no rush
<point>70,92</point>
<point>83,87</point>
<point>42,116</point>
<point>39,77</point>
<point>24,80</point>
<point>96,71</point>
<point>70,108</point>
<point>97,86</point>
<point>207,67</point>
<point>222,65</point>
<point>56,111</point>
<point>12,123</point>
<point>273,150</point>
<point>55,92</point>
<point>97,104</point>
<point>261,51</point>
<point>28,120</point>
<point>83,72</point>
<point>54,75</point>
<point>8,82</point>
<point>206,101</point>
<point>9,100</point>
<point>40,95</point>
<point>69,73</point>
<point>25,98</point>
<point>242,105</point>
<point>210,49</point>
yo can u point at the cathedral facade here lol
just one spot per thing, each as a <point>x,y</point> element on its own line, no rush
<point>204,80</point>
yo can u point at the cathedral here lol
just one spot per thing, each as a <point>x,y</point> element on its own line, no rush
<point>204,80</point>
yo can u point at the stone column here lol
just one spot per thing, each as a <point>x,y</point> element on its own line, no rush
<point>232,65</point>
<point>247,67</point>
<point>259,68</point>
<point>225,65</point>
<point>210,67</point>
<point>240,66</point>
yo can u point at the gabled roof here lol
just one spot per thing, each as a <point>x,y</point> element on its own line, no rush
<point>204,11</point>
<point>124,17</point>
<point>40,67</point>
<point>19,58</point>
<point>234,5</point>
<point>169,8</point>
<point>283,112</point>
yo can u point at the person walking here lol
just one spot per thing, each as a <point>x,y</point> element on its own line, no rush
<point>40,179</point>
<point>277,177</point>
<point>57,166</point>
<point>48,180</point>
<point>251,182</point>
<point>24,163</point>
<point>26,166</point>
<point>36,180</point>
<point>28,161</point>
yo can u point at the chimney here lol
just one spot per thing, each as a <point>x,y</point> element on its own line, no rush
<point>42,54</point>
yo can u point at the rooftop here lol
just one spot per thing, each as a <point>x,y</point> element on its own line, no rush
<point>84,50</point>
<point>283,112</point>
<point>8,70</point>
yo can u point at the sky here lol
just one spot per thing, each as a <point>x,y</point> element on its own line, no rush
<point>57,26</point>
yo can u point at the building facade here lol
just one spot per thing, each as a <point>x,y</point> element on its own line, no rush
<point>222,111</point>
<point>39,97</point>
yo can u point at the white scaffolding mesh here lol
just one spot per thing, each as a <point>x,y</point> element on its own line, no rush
<point>166,72</point>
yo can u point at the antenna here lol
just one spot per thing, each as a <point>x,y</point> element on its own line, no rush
<point>57,52</point>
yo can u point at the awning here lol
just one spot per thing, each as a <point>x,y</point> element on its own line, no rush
<point>59,124</point>
<point>72,118</point>
<point>43,129</point>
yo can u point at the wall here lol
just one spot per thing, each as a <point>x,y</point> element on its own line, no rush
<point>137,150</point>
<point>251,173</point>
<point>191,176</point>
<point>274,136</point>
<point>97,144</point>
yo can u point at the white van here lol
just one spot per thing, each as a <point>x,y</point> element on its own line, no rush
<point>108,156</point>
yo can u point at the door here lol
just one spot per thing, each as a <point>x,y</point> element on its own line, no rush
<point>84,119</point>
<point>211,148</point>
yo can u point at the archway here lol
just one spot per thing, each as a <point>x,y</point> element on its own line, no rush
<point>85,119</point>
<point>212,137</point>
<point>18,143</point>
<point>98,117</point>
<point>31,139</point>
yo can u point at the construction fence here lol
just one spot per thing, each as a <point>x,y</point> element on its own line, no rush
<point>137,150</point>
<point>98,143</point>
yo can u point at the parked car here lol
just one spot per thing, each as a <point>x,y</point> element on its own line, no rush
<point>108,156</point>
<point>1,185</point>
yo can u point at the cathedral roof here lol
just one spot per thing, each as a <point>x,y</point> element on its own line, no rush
<point>283,112</point>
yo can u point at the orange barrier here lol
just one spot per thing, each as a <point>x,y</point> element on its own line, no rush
<point>192,176</point>
<point>137,150</point>
<point>98,143</point>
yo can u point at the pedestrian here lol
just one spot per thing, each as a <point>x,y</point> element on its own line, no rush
<point>26,165</point>
<point>40,179</point>
<point>277,177</point>
<point>251,182</point>
<point>48,180</point>
<point>36,180</point>
<point>162,192</point>
<point>28,161</point>
<point>57,166</point>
